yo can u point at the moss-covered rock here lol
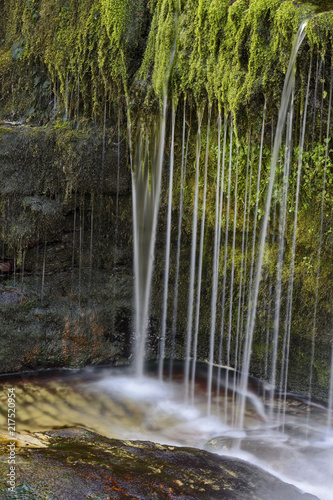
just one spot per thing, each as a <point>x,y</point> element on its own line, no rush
<point>68,58</point>
<point>76,64</point>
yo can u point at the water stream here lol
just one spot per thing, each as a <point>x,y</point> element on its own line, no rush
<point>213,404</point>
<point>228,417</point>
<point>115,403</point>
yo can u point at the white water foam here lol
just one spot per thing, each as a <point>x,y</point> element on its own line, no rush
<point>301,454</point>
<point>138,389</point>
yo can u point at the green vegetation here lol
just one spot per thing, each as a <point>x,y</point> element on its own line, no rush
<point>78,53</point>
<point>77,63</point>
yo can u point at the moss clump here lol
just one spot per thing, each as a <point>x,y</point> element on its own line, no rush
<point>89,47</point>
<point>77,52</point>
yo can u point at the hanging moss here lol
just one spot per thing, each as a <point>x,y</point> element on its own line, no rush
<point>232,52</point>
<point>89,47</point>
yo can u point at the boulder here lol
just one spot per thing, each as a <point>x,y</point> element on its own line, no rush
<point>78,464</point>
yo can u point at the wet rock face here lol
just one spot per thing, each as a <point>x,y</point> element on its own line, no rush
<point>79,464</point>
<point>66,265</point>
<point>37,161</point>
<point>13,296</point>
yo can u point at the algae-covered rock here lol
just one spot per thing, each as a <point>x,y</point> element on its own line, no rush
<point>79,464</point>
<point>50,160</point>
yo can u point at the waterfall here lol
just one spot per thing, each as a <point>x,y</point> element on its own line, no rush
<point>232,197</point>
<point>286,94</point>
<point>146,188</point>
<point>240,251</point>
<point>147,163</point>
<point>167,248</point>
<point>193,261</point>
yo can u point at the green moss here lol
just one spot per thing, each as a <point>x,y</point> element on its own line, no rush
<point>66,59</point>
<point>235,53</point>
<point>89,47</point>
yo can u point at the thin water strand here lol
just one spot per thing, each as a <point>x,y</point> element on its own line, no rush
<point>216,256</point>
<point>231,295</point>
<point>103,146</point>
<point>91,239</point>
<point>245,283</point>
<point>175,295</point>
<point>202,234</point>
<point>117,193</point>
<point>241,278</point>
<point>254,236</point>
<point>281,239</point>
<point>226,240</point>
<point>286,94</point>
<point>254,239</point>
<point>330,397</point>
<point>284,374</point>
<point>193,262</point>
<point>78,102</point>
<point>167,248</point>
<point>43,270</point>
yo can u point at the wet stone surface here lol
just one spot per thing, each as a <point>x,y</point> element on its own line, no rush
<point>79,464</point>
<point>11,296</point>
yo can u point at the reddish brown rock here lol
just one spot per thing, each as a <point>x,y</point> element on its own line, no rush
<point>6,266</point>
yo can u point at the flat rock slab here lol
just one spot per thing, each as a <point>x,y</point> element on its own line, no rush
<point>79,464</point>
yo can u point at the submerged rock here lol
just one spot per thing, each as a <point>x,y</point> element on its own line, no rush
<point>79,464</point>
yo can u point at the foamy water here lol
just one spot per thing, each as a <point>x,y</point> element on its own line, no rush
<point>126,407</point>
<point>300,454</point>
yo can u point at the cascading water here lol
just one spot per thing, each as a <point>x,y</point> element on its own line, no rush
<point>217,265</point>
<point>147,162</point>
<point>146,187</point>
<point>236,279</point>
<point>287,91</point>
